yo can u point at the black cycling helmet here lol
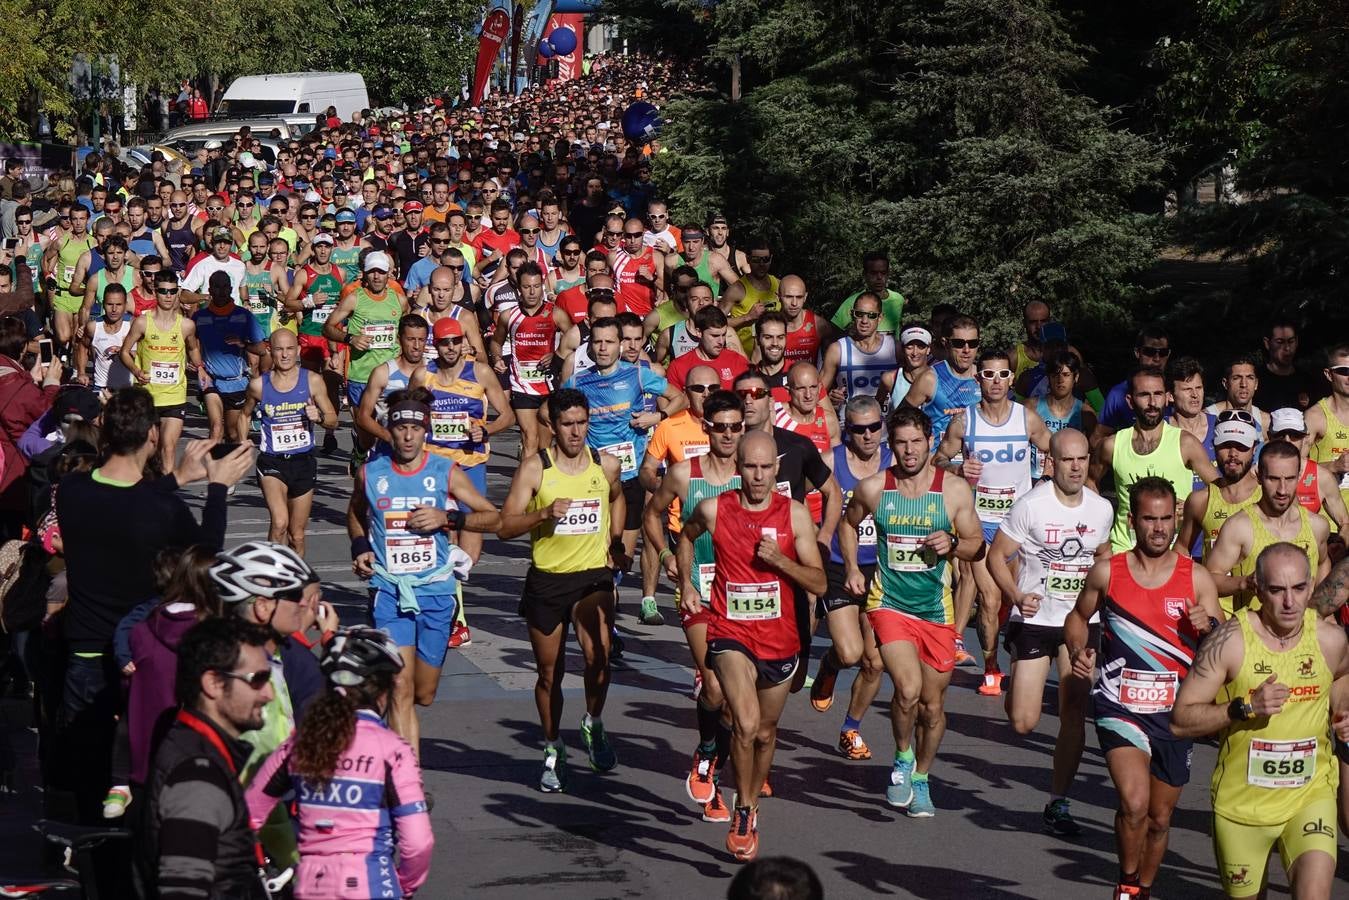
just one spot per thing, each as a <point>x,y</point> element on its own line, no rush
<point>358,652</point>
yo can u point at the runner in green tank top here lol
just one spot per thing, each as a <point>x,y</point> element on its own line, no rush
<point>690,482</point>
<point>318,286</point>
<point>1149,447</point>
<point>925,520</point>
<point>367,320</point>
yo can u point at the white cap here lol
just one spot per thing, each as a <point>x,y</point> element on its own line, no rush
<point>312,196</point>
<point>323,238</point>
<point>377,260</point>
<point>916,333</point>
<point>517,137</point>
<point>1234,431</point>
<point>212,145</point>
<point>1287,419</point>
<point>247,160</point>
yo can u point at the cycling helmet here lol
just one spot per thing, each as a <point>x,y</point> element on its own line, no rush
<point>260,569</point>
<point>356,653</point>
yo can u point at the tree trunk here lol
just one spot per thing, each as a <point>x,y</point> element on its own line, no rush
<point>735,79</point>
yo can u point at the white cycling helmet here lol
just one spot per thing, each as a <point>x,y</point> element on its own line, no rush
<point>356,653</point>
<point>260,569</point>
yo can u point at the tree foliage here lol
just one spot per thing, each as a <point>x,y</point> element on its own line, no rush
<point>949,133</point>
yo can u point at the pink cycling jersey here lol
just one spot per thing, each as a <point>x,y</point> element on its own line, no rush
<point>350,826</point>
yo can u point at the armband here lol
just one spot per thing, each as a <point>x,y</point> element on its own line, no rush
<point>455,519</point>
<point>1095,400</point>
<point>616,547</point>
<point>663,414</point>
<point>360,545</point>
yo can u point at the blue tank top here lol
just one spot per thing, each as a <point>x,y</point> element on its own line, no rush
<point>550,250</point>
<point>143,244</point>
<point>866,530</point>
<point>285,427</point>
<point>900,390</point>
<point>392,495</point>
<point>455,411</point>
<point>1055,425</point>
<point>950,396</point>
<point>613,400</point>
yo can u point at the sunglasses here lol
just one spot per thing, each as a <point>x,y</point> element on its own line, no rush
<point>244,205</point>
<point>457,268</point>
<point>991,374</point>
<point>870,428</point>
<point>725,427</point>
<point>571,251</point>
<point>763,259</point>
<point>1236,415</point>
<point>166,292</point>
<point>310,216</point>
<point>177,206</point>
<point>1155,352</point>
<point>440,240</point>
<point>860,314</point>
<point>1342,371</point>
<point>963,343</point>
<point>600,294</point>
<point>609,233</point>
<point>752,393</point>
<point>529,231</point>
<point>702,388</point>
<point>450,340</point>
<point>255,680</point>
<point>633,234</point>
<point>23,221</point>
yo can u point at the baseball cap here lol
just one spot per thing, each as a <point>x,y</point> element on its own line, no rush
<point>346,215</point>
<point>916,333</point>
<point>413,206</point>
<point>1287,419</point>
<point>382,212</point>
<point>221,234</point>
<point>379,260</point>
<point>323,238</point>
<point>212,145</point>
<point>79,401</point>
<point>266,178</point>
<point>1234,431</point>
<point>446,328</point>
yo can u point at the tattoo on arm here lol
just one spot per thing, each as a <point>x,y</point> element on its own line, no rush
<point>1330,594</point>
<point>1206,660</point>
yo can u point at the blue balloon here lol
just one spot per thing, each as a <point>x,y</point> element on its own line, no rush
<point>546,50</point>
<point>563,40</point>
<point>641,122</point>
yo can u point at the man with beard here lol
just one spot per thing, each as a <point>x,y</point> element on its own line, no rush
<point>1208,508</point>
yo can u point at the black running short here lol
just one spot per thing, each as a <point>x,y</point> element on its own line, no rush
<point>549,597</point>
<point>773,671</point>
<point>297,471</point>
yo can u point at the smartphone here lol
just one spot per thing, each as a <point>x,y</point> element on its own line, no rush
<point>224,449</point>
<point>46,351</point>
<point>11,243</point>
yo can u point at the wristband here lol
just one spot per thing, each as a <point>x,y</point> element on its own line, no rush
<point>663,414</point>
<point>665,554</point>
<point>616,547</point>
<point>360,545</point>
<point>455,518</point>
<point>346,339</point>
<point>1213,623</point>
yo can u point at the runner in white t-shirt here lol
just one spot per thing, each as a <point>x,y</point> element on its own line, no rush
<point>1058,530</point>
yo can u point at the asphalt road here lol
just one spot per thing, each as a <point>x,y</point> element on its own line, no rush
<point>634,833</point>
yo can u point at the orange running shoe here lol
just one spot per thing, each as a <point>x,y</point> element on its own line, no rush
<point>822,691</point>
<point>992,684</point>
<point>715,810</point>
<point>743,838</point>
<point>766,790</point>
<point>699,784</point>
<point>851,745</point>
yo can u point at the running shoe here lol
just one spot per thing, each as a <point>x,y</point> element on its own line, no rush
<point>743,838</point>
<point>615,646</point>
<point>899,792</point>
<point>920,807</point>
<point>766,790</point>
<point>700,782</point>
<point>602,756</point>
<point>554,769</point>
<point>697,684</point>
<point>650,615</point>
<point>851,745</point>
<point>963,656</point>
<point>460,637</point>
<point>991,686</point>
<point>715,810</point>
<point>1059,820</point>
<point>1128,891</point>
<point>822,691</point>
<point>329,444</point>
<point>114,805</point>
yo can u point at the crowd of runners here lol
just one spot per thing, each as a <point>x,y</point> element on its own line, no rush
<point>455,281</point>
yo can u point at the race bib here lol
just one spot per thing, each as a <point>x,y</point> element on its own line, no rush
<point>703,578</point>
<point>994,502</point>
<point>166,374</point>
<point>531,371</point>
<point>67,273</point>
<point>753,602</point>
<point>381,334</point>
<point>450,427</point>
<point>866,532</point>
<point>582,517</point>
<point>1281,764</point>
<point>1064,581</point>
<point>291,437</point>
<point>1148,692</point>
<point>908,553</point>
<point>625,453</point>
<point>319,314</point>
<point>406,553</point>
<point>692,450</point>
<point>784,488</point>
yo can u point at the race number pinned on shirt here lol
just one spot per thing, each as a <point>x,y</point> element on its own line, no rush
<point>405,552</point>
<point>319,315</point>
<point>165,373</point>
<point>1281,764</point>
<point>908,553</point>
<point>866,532</point>
<point>692,450</point>
<point>753,602</point>
<point>531,371</point>
<point>290,437</point>
<point>993,503</point>
<point>706,572</point>
<point>1145,692</point>
<point>581,517</point>
<point>381,334</point>
<point>784,488</point>
<point>1064,581</point>
<point>626,454</point>
<point>449,427</point>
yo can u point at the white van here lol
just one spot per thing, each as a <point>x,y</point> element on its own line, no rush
<point>295,94</point>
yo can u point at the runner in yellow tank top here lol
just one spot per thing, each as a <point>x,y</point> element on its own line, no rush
<point>570,501</point>
<point>156,351</point>
<point>1328,420</point>
<point>1263,682</point>
<point>1276,517</point>
<point>1209,507</point>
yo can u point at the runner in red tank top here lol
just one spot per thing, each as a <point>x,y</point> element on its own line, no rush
<point>637,270</point>
<point>806,333</point>
<point>532,327</point>
<point>804,415</point>
<point>1317,491</point>
<point>752,637</point>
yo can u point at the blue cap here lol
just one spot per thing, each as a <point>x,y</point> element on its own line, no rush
<point>266,178</point>
<point>299,184</point>
<point>346,215</point>
<point>382,212</point>
<point>330,153</point>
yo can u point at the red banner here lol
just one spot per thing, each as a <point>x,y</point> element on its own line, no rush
<point>568,66</point>
<point>495,30</point>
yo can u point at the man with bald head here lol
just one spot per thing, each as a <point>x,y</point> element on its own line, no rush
<point>1058,530</point>
<point>806,332</point>
<point>766,556</point>
<point>446,296</point>
<point>637,270</point>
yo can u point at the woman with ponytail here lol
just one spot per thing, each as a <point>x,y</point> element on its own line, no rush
<point>351,778</point>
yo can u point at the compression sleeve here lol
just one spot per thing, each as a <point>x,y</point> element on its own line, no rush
<point>412,822</point>
<point>1096,400</point>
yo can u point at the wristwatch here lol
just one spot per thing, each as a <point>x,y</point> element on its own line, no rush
<point>1240,710</point>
